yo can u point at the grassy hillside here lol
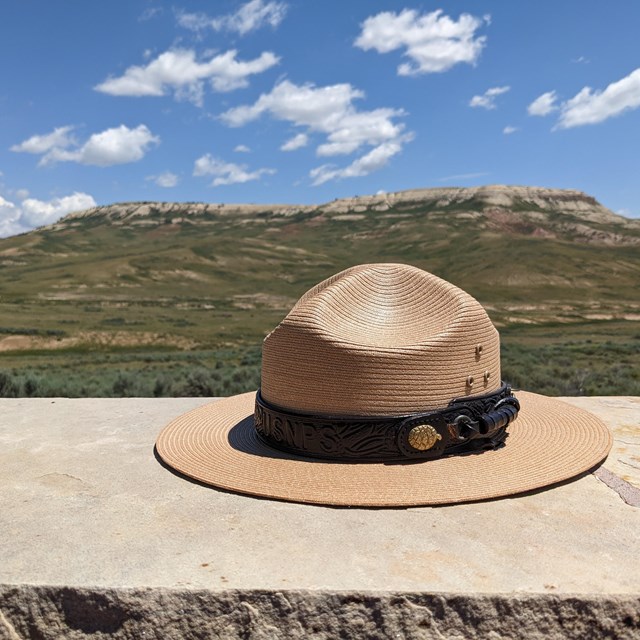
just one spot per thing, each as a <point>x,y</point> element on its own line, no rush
<point>177,301</point>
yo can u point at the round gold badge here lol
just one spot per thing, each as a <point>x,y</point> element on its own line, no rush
<point>423,437</point>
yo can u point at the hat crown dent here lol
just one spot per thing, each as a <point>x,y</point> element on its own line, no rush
<point>378,307</point>
<point>380,339</point>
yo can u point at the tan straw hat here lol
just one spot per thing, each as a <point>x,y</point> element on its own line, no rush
<point>382,387</point>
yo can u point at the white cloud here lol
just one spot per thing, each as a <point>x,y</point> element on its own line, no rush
<point>179,71</point>
<point>328,110</point>
<point>488,99</point>
<point>59,138</point>
<point>508,130</point>
<point>22,194</point>
<point>32,213</point>
<point>39,212</point>
<point>242,148</point>
<point>361,128</point>
<point>433,42</point>
<point>165,179</point>
<point>297,142</point>
<point>543,105</point>
<point>377,158</point>
<point>591,107</point>
<point>318,108</point>
<point>249,17</point>
<point>226,172</point>
<point>119,145</point>
<point>10,224</point>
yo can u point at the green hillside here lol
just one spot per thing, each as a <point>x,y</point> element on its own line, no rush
<point>171,299</point>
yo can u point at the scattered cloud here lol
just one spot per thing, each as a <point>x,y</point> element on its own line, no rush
<point>119,145</point>
<point>377,158</point>
<point>149,13</point>
<point>329,110</point>
<point>591,107</point>
<point>22,194</point>
<point>226,172</point>
<point>580,60</point>
<point>305,105</point>
<point>297,142</point>
<point>249,17</point>
<point>165,179</point>
<point>242,148</point>
<point>543,105</point>
<point>464,176</point>
<point>40,212</point>
<point>179,71</point>
<point>433,42</point>
<point>31,213</point>
<point>59,138</point>
<point>508,130</point>
<point>10,223</point>
<point>488,99</point>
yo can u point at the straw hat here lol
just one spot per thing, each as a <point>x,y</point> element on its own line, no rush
<point>382,387</point>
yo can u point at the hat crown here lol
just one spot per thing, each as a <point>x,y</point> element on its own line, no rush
<point>380,339</point>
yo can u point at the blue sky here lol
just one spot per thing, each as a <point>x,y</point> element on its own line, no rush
<point>304,101</point>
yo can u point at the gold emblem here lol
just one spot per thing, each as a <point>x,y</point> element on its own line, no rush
<point>423,437</point>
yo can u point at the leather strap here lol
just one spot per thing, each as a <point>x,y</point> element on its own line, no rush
<point>466,425</point>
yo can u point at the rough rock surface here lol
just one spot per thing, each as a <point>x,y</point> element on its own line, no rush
<point>130,614</point>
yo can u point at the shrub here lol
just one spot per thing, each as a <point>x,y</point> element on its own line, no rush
<point>8,387</point>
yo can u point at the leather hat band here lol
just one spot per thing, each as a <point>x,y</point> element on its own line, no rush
<point>466,425</point>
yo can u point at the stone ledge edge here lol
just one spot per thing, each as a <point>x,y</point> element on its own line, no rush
<point>44,612</point>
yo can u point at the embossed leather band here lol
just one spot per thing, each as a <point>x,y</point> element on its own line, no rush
<point>466,425</point>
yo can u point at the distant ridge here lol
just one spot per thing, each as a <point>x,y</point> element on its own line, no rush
<point>565,214</point>
<point>446,198</point>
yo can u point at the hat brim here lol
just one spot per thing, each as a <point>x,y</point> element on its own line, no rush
<point>550,442</point>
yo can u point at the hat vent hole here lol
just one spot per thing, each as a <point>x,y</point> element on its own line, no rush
<point>470,381</point>
<point>478,351</point>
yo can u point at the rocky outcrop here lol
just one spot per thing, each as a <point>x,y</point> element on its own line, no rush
<point>533,199</point>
